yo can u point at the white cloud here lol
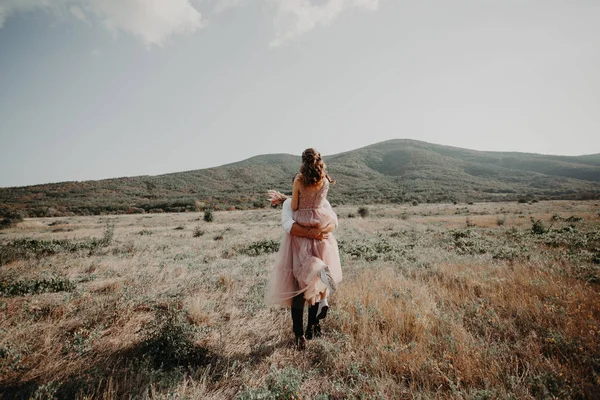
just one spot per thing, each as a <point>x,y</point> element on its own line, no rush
<point>153,21</point>
<point>294,18</point>
<point>223,5</point>
<point>10,7</point>
<point>78,13</point>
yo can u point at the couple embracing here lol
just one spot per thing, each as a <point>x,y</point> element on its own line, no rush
<point>307,267</point>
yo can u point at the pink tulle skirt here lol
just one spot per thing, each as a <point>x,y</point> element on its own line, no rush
<point>300,260</point>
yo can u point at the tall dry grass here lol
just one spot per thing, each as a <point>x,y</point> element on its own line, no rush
<point>466,330</point>
<point>429,308</point>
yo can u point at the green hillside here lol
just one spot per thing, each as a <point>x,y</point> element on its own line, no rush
<point>394,171</point>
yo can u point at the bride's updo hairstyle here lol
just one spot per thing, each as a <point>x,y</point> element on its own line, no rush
<point>313,167</point>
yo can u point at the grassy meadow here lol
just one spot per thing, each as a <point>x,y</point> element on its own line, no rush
<point>439,301</point>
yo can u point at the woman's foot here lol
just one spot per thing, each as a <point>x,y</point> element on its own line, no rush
<point>300,342</point>
<point>322,310</point>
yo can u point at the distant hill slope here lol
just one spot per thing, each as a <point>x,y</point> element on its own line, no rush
<point>393,171</point>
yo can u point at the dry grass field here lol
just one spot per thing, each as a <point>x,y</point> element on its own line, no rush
<point>480,301</point>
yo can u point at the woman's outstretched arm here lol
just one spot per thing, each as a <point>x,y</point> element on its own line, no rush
<point>296,193</point>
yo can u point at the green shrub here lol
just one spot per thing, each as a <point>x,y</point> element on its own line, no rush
<point>169,338</point>
<point>261,247</point>
<point>281,385</point>
<point>107,235</point>
<point>10,219</point>
<point>46,391</point>
<point>372,250</point>
<point>363,212</point>
<point>556,217</point>
<point>208,215</point>
<point>21,249</point>
<point>198,231</point>
<point>573,218</point>
<point>23,287</point>
<point>537,227</point>
<point>468,242</point>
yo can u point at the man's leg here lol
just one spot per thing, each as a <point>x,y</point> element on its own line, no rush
<point>297,315</point>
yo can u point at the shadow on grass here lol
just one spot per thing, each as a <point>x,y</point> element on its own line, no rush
<point>162,361</point>
<point>130,373</point>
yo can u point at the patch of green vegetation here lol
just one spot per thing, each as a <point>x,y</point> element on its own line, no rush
<point>35,286</point>
<point>20,249</point>
<point>198,231</point>
<point>264,246</point>
<point>8,219</point>
<point>169,338</point>
<point>469,242</point>
<point>537,227</point>
<point>363,212</point>
<point>11,357</point>
<point>374,249</point>
<point>282,384</point>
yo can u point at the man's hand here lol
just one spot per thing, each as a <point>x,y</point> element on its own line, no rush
<point>317,234</point>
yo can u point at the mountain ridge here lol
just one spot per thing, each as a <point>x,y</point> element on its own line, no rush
<point>393,171</point>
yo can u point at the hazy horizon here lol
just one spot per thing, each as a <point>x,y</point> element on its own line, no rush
<point>98,89</point>
<point>267,154</point>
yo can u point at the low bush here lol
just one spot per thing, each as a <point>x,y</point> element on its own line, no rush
<point>281,384</point>
<point>37,286</point>
<point>261,247</point>
<point>10,220</point>
<point>372,250</point>
<point>208,215</point>
<point>21,249</point>
<point>537,227</point>
<point>169,338</point>
<point>198,231</point>
<point>363,212</point>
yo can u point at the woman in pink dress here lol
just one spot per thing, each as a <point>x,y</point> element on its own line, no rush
<point>307,270</point>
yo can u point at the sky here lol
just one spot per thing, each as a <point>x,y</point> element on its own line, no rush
<point>94,89</point>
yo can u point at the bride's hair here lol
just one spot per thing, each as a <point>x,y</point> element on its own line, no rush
<point>313,167</point>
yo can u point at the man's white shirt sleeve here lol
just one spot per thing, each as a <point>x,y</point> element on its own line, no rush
<point>287,216</point>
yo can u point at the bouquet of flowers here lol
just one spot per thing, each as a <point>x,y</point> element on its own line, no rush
<point>276,198</point>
